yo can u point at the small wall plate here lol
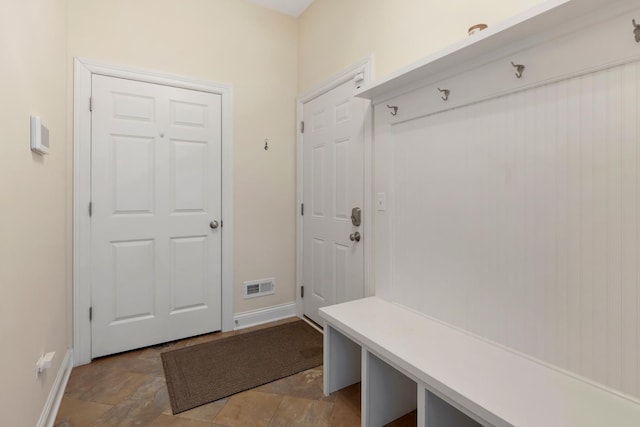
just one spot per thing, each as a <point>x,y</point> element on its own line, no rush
<point>39,136</point>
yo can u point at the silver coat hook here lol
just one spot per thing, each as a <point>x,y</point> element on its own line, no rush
<point>394,109</point>
<point>519,69</point>
<point>445,92</point>
<point>636,30</point>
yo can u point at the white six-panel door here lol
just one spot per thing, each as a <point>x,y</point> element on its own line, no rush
<point>333,184</point>
<point>156,199</point>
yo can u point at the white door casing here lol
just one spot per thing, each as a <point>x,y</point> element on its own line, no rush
<point>182,250</point>
<point>333,183</point>
<point>156,159</point>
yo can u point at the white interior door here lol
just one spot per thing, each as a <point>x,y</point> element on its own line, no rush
<point>333,184</point>
<point>156,200</point>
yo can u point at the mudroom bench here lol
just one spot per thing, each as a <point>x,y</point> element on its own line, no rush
<point>406,361</point>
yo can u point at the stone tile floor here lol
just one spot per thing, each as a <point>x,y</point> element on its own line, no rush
<point>129,389</point>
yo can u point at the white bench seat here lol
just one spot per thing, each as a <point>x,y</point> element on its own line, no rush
<point>370,339</point>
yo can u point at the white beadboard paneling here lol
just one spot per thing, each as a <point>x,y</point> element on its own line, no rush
<point>517,218</point>
<point>629,228</point>
<point>637,289</point>
<point>562,224</point>
<point>600,175</point>
<point>587,260</point>
<point>614,228</point>
<point>574,218</point>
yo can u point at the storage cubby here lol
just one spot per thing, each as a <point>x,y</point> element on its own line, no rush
<point>438,413</point>
<point>387,393</point>
<point>342,361</point>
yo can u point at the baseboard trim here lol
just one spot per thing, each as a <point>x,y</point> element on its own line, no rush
<point>51,406</point>
<point>247,319</point>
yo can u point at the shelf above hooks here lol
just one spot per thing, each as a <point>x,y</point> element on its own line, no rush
<point>543,22</point>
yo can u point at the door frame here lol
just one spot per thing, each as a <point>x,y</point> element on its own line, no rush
<point>83,70</point>
<point>365,66</point>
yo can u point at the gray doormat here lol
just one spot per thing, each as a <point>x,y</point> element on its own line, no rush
<point>211,371</point>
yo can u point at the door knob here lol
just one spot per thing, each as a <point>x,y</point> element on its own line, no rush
<point>213,224</point>
<point>355,237</point>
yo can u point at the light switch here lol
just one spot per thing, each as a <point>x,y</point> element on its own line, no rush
<point>39,136</point>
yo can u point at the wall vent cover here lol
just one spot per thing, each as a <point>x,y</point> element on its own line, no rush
<point>259,288</point>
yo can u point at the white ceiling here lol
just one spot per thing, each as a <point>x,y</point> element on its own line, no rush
<point>289,7</point>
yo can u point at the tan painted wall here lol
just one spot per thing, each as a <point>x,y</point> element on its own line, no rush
<point>267,57</point>
<point>333,34</point>
<point>34,248</point>
<point>229,41</point>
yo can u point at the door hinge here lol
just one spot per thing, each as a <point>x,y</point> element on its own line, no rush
<point>301,291</point>
<point>221,223</point>
<point>302,126</point>
<point>90,314</point>
<point>302,209</point>
<point>91,103</point>
<point>90,208</point>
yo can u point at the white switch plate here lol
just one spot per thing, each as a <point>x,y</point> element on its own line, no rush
<point>381,201</point>
<point>39,136</point>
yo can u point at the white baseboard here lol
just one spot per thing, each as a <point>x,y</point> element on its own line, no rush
<point>51,406</point>
<point>264,315</point>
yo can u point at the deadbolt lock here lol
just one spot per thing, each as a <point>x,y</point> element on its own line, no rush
<point>356,217</point>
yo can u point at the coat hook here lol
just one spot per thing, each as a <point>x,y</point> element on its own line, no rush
<point>636,30</point>
<point>266,144</point>
<point>394,109</point>
<point>446,93</point>
<point>519,69</point>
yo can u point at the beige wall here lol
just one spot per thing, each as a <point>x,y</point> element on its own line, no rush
<point>268,58</point>
<point>229,41</point>
<point>333,34</point>
<point>34,248</point>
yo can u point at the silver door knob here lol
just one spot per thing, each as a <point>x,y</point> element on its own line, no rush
<point>213,224</point>
<point>355,237</point>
